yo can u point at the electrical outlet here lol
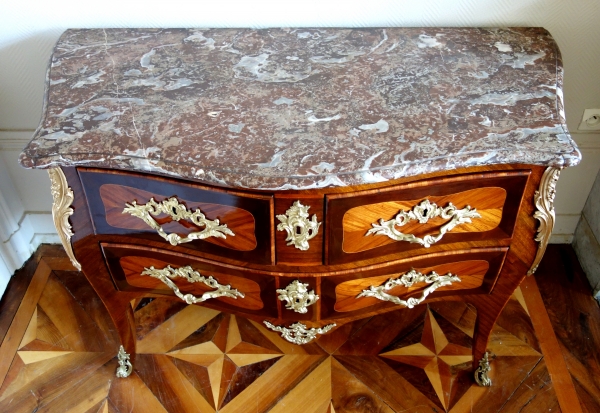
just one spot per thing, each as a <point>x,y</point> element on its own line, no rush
<point>590,120</point>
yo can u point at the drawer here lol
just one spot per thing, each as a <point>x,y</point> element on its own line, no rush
<point>415,216</point>
<point>429,277</point>
<point>139,269</point>
<point>216,222</point>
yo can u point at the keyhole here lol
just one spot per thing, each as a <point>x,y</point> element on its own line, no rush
<point>298,231</point>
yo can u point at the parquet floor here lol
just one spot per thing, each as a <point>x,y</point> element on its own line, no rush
<point>58,354</point>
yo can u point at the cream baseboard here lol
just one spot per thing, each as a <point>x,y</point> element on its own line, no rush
<point>34,229</point>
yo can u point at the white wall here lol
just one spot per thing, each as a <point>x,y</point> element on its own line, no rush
<point>29,29</point>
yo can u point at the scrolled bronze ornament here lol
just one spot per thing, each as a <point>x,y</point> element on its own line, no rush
<point>297,225</point>
<point>62,197</point>
<point>177,211</point>
<point>423,212</point>
<point>408,280</point>
<point>192,276</point>
<point>297,297</point>
<point>297,333</point>
<point>544,202</point>
<point>125,368</point>
<point>481,374</point>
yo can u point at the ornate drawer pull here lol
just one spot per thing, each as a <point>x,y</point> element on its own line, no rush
<point>423,212</point>
<point>192,276</point>
<point>407,280</point>
<point>298,334</point>
<point>297,297</point>
<point>299,229</point>
<point>177,212</point>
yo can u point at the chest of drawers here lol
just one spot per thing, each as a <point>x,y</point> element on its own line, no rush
<point>304,185</point>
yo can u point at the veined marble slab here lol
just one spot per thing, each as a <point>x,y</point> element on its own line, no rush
<point>302,108</point>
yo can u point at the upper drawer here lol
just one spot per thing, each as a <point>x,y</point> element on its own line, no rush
<point>415,216</point>
<point>217,222</point>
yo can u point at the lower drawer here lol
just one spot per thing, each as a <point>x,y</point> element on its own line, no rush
<point>410,283</point>
<point>140,269</point>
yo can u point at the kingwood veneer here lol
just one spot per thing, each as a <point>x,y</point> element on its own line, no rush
<point>296,177</point>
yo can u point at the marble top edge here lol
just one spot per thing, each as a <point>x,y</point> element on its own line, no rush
<point>302,108</point>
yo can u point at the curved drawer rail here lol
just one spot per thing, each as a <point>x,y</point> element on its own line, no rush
<point>407,280</point>
<point>423,212</point>
<point>192,276</point>
<point>177,212</point>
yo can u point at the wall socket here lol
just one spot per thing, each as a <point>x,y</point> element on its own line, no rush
<point>590,120</point>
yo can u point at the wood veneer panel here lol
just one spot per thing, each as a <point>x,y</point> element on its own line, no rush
<point>239,221</point>
<point>357,221</point>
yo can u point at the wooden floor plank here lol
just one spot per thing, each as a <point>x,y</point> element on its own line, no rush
<point>575,319</point>
<point>393,389</point>
<point>263,394</point>
<point>535,394</point>
<point>563,384</point>
<point>51,378</point>
<point>249,368</point>
<point>17,286</point>
<point>170,386</point>
<point>20,322</point>
<point>84,395</point>
<point>88,300</point>
<point>175,329</point>
<point>74,324</point>
<point>349,393</point>
<point>311,395</point>
<point>133,396</point>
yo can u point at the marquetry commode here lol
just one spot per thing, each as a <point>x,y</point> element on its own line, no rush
<point>304,178</point>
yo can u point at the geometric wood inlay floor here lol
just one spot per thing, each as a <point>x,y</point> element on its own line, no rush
<point>194,359</point>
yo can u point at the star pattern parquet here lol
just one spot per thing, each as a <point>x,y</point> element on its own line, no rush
<point>194,359</point>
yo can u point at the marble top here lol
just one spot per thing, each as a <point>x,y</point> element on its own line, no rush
<point>302,108</point>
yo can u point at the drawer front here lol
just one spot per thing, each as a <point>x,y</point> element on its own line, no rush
<point>216,222</point>
<point>140,269</point>
<point>416,216</point>
<point>410,283</point>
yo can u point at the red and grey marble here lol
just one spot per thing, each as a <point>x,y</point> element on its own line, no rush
<point>302,108</point>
